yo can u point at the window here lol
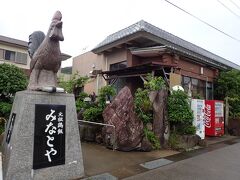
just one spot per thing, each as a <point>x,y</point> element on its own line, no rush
<point>16,57</point>
<point>198,87</point>
<point>121,82</point>
<point>209,90</point>
<point>117,66</point>
<point>186,83</point>
<point>21,58</point>
<point>1,54</point>
<point>9,55</point>
<point>194,86</point>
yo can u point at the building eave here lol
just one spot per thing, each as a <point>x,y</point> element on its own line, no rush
<point>13,42</point>
<point>153,33</point>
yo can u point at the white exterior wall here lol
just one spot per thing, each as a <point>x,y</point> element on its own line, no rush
<point>16,49</point>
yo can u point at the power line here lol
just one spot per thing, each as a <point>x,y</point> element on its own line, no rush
<point>228,9</point>
<point>228,35</point>
<point>235,4</point>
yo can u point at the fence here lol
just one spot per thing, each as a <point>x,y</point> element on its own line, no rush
<point>102,124</point>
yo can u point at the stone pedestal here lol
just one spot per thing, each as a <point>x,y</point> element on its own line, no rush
<point>19,143</point>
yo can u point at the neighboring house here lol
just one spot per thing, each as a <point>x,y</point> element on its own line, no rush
<point>15,52</point>
<point>125,57</point>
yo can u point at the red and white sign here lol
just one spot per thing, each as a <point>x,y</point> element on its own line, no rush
<point>214,118</point>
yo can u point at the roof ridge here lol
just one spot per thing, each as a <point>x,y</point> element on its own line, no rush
<point>13,40</point>
<point>174,36</point>
<point>169,38</point>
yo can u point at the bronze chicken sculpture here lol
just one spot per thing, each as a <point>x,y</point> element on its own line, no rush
<point>45,55</point>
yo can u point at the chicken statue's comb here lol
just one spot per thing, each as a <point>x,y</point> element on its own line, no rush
<point>57,16</point>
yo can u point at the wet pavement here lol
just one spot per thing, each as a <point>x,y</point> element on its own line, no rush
<point>99,160</point>
<point>218,162</point>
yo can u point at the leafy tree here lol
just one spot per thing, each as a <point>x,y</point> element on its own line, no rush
<point>73,85</point>
<point>228,87</point>
<point>154,83</point>
<point>228,84</point>
<point>12,79</point>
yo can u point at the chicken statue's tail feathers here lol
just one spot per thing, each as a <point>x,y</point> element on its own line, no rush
<point>35,39</point>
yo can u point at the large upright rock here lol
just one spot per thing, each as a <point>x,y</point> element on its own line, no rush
<point>129,128</point>
<point>159,101</point>
<point>42,138</point>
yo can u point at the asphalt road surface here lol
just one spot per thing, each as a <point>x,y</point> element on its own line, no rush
<point>220,164</point>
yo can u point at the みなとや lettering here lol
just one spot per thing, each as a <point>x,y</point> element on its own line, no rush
<point>51,130</point>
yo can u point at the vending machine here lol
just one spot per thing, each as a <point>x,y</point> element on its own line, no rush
<point>214,118</point>
<point>198,106</point>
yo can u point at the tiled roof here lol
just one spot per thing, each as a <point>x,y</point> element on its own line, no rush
<point>170,41</point>
<point>13,41</point>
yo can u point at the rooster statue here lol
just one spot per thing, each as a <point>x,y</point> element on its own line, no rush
<point>45,55</point>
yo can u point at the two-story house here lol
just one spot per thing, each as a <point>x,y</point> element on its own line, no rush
<point>14,51</point>
<point>125,57</point>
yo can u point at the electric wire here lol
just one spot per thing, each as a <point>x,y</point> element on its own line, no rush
<point>204,22</point>
<point>228,9</point>
<point>235,4</point>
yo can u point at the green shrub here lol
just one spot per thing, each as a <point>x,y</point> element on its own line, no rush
<point>105,93</point>
<point>93,114</point>
<point>173,140</point>
<point>5,109</point>
<point>188,129</point>
<point>234,106</point>
<point>152,138</point>
<point>143,105</point>
<point>180,114</point>
<point>2,124</point>
<point>154,83</point>
<point>179,110</point>
<point>12,79</point>
<point>74,83</point>
<point>144,108</point>
<point>80,103</point>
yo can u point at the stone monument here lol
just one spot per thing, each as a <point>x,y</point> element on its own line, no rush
<point>42,136</point>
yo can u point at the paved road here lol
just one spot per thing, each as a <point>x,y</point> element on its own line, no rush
<point>220,164</point>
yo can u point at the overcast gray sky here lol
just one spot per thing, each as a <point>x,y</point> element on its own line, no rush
<point>87,23</point>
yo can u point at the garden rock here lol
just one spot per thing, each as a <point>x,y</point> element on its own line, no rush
<point>188,141</point>
<point>121,114</point>
<point>146,145</point>
<point>159,101</point>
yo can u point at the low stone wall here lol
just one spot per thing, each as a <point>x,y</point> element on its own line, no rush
<point>90,132</point>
